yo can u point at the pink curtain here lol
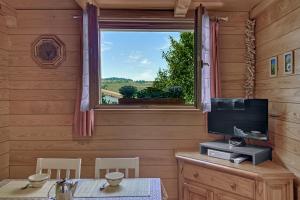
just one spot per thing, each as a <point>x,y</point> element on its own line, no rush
<point>215,75</point>
<point>83,124</point>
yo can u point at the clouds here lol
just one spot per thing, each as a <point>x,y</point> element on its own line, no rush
<point>142,65</point>
<point>147,75</point>
<point>145,61</point>
<point>136,57</point>
<point>106,46</point>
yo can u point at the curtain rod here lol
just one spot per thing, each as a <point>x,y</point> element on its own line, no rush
<point>221,19</point>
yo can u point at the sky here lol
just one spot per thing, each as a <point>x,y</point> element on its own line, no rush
<point>134,55</point>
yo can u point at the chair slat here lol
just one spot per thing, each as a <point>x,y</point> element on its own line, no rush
<point>58,174</point>
<point>49,172</point>
<point>68,173</point>
<point>59,164</point>
<point>117,164</point>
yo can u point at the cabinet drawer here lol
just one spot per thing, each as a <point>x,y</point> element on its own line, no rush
<point>238,185</point>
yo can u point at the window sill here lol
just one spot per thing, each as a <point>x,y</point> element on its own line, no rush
<point>146,108</point>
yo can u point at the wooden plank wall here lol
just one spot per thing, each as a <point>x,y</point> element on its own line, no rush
<point>4,100</point>
<point>42,105</point>
<point>278,31</point>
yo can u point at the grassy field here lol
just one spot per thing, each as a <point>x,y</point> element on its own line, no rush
<point>114,84</point>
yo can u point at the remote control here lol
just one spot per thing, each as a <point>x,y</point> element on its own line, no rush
<point>238,160</point>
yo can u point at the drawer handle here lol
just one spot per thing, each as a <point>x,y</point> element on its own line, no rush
<point>233,186</point>
<point>196,175</point>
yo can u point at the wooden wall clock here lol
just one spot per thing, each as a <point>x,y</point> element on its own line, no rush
<point>48,51</point>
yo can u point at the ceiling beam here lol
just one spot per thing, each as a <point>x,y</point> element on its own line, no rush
<point>82,3</point>
<point>207,4</point>
<point>181,8</point>
<point>9,14</point>
<point>260,8</point>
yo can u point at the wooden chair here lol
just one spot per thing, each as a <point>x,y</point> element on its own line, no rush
<point>117,164</point>
<point>59,164</point>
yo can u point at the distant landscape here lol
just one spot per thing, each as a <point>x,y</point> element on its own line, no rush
<point>115,83</point>
<point>176,81</point>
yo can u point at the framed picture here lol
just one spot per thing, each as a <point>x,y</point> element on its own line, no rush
<point>288,60</point>
<point>273,67</point>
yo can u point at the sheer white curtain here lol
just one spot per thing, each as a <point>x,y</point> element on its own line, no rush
<point>85,97</point>
<point>206,58</point>
<point>83,122</point>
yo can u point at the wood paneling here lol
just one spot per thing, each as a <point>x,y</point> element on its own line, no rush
<point>42,104</point>
<point>274,12</point>
<point>260,7</point>
<point>4,100</point>
<point>278,31</point>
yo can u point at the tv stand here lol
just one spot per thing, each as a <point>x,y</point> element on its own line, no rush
<point>257,154</point>
<point>237,142</point>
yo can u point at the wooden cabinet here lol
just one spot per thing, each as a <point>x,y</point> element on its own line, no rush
<point>231,183</point>
<point>206,178</point>
<point>191,192</point>
<point>228,196</point>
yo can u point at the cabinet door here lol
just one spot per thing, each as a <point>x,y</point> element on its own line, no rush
<point>228,196</point>
<point>196,193</point>
<point>279,190</point>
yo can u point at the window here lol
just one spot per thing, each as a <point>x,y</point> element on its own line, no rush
<point>148,65</point>
<point>147,68</point>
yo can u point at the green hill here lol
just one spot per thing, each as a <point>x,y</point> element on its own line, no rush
<point>115,83</point>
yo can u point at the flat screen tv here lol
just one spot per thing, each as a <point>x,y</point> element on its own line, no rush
<point>243,118</point>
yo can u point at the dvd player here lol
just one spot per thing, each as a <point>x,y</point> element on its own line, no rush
<point>221,154</point>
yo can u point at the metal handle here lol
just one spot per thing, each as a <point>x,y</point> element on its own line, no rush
<point>233,186</point>
<point>48,194</point>
<point>196,175</point>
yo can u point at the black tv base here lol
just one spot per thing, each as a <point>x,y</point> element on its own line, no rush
<point>257,154</point>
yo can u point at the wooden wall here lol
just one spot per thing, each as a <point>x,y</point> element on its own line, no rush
<point>278,31</point>
<point>4,100</point>
<point>42,105</point>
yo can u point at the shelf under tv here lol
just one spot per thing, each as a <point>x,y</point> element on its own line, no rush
<point>258,154</point>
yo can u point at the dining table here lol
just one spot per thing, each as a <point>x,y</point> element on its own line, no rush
<point>154,190</point>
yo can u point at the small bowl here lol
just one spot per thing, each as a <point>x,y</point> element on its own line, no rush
<point>114,178</point>
<point>38,180</point>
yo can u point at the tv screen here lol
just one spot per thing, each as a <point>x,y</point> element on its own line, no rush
<point>244,118</point>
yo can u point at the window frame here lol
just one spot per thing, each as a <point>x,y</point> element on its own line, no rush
<point>163,21</point>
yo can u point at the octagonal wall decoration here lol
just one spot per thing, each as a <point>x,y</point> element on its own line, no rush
<point>48,51</point>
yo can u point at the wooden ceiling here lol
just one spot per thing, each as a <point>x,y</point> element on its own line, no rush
<point>224,5</point>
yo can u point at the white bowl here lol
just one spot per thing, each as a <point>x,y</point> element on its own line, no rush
<point>114,178</point>
<point>38,180</point>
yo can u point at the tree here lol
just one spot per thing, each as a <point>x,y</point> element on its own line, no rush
<point>162,80</point>
<point>128,91</point>
<point>180,72</point>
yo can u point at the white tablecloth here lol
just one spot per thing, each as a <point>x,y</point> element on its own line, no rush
<point>155,193</point>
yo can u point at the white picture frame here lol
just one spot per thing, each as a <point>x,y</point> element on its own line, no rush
<point>288,63</point>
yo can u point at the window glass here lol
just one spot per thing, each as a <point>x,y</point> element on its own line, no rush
<point>147,67</point>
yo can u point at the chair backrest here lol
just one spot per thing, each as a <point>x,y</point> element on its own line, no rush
<point>59,164</point>
<point>117,164</point>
